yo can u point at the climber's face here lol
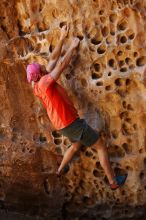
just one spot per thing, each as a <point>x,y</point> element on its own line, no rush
<point>43,70</point>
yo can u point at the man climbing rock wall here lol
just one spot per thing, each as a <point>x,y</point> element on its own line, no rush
<point>106,83</point>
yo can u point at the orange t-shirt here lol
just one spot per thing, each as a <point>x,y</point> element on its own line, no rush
<point>59,107</point>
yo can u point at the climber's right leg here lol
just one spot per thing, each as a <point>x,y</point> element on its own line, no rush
<point>115,182</point>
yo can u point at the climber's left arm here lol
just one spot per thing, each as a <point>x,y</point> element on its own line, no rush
<point>57,51</point>
<point>63,62</point>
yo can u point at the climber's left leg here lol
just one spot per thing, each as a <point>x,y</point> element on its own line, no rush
<point>70,152</point>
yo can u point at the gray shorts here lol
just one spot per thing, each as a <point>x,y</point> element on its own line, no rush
<point>79,130</point>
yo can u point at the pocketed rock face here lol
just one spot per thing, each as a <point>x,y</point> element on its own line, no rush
<point>106,80</point>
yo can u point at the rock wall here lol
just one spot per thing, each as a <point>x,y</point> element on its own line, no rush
<point>106,80</point>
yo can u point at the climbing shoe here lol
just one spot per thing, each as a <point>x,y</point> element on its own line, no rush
<point>66,169</point>
<point>119,181</point>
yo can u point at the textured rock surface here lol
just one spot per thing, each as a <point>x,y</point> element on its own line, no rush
<point>106,81</point>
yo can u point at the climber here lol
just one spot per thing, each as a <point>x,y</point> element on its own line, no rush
<point>61,111</point>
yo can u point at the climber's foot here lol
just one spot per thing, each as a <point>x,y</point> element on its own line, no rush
<point>63,171</point>
<point>119,181</point>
